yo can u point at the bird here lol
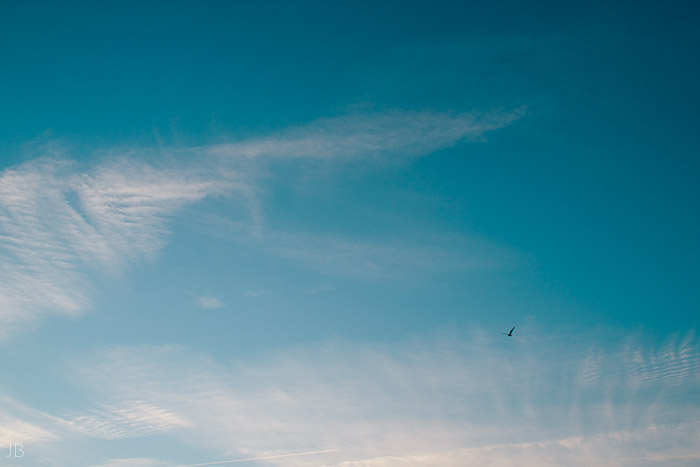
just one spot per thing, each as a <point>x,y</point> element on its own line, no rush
<point>510,334</point>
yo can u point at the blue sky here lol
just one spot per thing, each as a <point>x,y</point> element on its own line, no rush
<point>233,230</point>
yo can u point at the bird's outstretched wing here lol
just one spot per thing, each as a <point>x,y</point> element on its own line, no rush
<point>511,331</point>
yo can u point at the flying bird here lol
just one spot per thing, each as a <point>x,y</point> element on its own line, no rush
<point>510,334</point>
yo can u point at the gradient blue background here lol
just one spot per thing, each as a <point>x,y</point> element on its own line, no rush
<point>594,190</point>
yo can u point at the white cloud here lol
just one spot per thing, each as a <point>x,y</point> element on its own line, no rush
<point>633,448</point>
<point>389,259</point>
<point>210,303</point>
<point>23,425</point>
<point>433,402</point>
<point>373,259</point>
<point>257,293</point>
<point>446,400</point>
<point>405,133</point>
<point>400,132</point>
<point>14,431</point>
<point>56,223</point>
<point>60,222</point>
<point>134,462</point>
<point>128,420</point>
<point>675,363</point>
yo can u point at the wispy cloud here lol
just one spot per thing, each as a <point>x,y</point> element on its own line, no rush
<point>134,462</point>
<point>638,447</point>
<point>130,419</point>
<point>210,303</point>
<point>678,362</point>
<point>57,222</point>
<point>13,431</point>
<point>24,425</point>
<point>420,403</point>
<point>408,133</point>
<point>384,258</point>
<point>393,258</point>
<point>257,293</point>
<point>60,221</point>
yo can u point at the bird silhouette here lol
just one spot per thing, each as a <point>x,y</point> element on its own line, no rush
<point>510,334</point>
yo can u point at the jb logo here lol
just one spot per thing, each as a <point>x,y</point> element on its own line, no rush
<point>16,450</point>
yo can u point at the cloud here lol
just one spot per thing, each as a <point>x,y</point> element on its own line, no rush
<point>425,402</point>
<point>57,223</point>
<point>23,425</point>
<point>633,448</point>
<point>408,133</point>
<point>61,221</point>
<point>210,303</point>
<point>134,462</point>
<point>257,293</point>
<point>131,419</point>
<point>376,259</point>
<point>14,431</point>
<point>394,258</point>
<point>675,363</point>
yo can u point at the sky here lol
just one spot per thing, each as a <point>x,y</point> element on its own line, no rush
<point>295,233</point>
